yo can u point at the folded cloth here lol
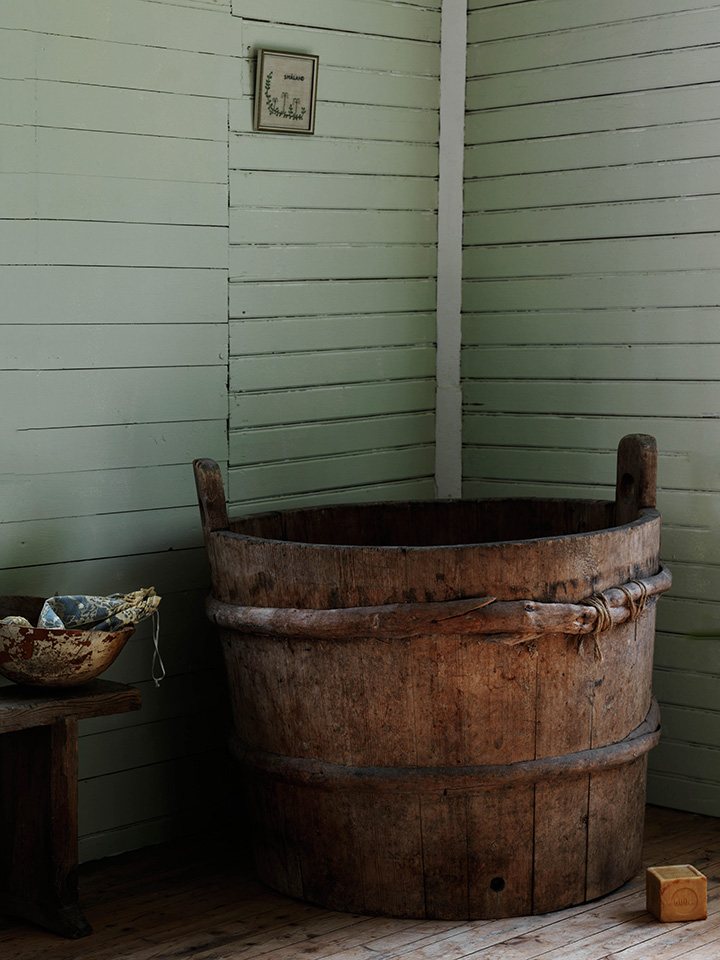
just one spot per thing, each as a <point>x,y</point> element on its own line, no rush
<point>98,613</point>
<point>95,613</point>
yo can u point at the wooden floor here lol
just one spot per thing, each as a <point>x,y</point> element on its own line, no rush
<point>202,902</point>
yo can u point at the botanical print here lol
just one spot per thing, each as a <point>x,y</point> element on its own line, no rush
<point>285,92</point>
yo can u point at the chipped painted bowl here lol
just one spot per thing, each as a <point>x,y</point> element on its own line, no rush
<point>53,658</point>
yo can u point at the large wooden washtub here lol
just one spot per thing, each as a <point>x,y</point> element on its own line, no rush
<point>443,709</point>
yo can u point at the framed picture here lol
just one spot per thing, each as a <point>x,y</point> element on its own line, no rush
<point>285,92</point>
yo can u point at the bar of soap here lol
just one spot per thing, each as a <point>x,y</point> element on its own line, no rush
<point>676,893</point>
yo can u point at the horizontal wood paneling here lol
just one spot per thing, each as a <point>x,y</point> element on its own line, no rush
<point>139,67</point>
<point>114,365</point>
<point>330,366</point>
<point>60,540</point>
<point>338,402</point>
<point>348,95</point>
<point>134,22</point>
<point>317,475</point>
<point>168,572</point>
<point>592,188</point>
<point>521,17</point>
<point>78,106</point>
<point>590,299</point>
<point>323,261</point>
<point>608,147</point>
<point>341,156</point>
<point>317,440</point>
<point>67,295</point>
<point>389,57</point>
<point>331,297</point>
<point>333,262</point>
<point>48,346</point>
<point>291,334</point>
<point>646,361</point>
<point>275,226</point>
<point>94,153</point>
<point>104,493</point>
<point>620,291</point>
<point>564,32</point>
<point>116,446</point>
<point>372,491</point>
<point>338,192</point>
<point>119,396</point>
<point>127,200</point>
<point>624,326</point>
<point>380,17</point>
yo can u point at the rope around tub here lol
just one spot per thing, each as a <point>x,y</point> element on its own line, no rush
<point>604,620</point>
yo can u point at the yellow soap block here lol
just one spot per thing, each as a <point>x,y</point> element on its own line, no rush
<point>676,893</point>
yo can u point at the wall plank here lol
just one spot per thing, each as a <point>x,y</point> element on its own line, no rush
<point>338,48</point>
<point>78,106</point>
<point>331,191</point>
<point>116,64</point>
<point>323,226</point>
<point>290,334</point>
<point>119,396</point>
<point>303,299</point>
<point>530,17</point>
<point>329,366</point>
<point>127,200</point>
<point>68,295</point>
<point>334,156</point>
<point>319,474</point>
<point>93,153</point>
<point>340,402</point>
<point>260,445</point>
<point>380,17</point>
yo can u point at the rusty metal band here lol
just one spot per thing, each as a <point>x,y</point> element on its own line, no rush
<point>499,621</point>
<point>449,780</point>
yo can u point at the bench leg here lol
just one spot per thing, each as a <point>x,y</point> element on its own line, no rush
<point>38,827</point>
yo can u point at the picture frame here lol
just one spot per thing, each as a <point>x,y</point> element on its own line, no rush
<point>285,91</point>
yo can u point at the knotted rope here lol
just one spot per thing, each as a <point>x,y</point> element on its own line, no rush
<point>604,620</point>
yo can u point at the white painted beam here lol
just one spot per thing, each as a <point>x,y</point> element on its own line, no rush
<point>448,456</point>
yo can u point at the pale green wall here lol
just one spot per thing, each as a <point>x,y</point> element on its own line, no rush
<point>333,261</point>
<point>156,250</point>
<point>132,190</point>
<point>591,299</point>
<point>114,356</point>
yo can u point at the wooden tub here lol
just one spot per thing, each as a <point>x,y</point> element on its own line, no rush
<point>443,709</point>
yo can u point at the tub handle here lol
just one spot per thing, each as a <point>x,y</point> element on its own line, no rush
<point>211,496</point>
<point>495,621</point>
<point>636,485</point>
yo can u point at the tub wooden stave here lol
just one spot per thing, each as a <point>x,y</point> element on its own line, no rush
<point>413,706</point>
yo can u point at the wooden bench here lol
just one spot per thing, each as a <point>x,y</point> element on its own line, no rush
<point>39,798</point>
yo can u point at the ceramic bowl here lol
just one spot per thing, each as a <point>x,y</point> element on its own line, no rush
<point>53,658</point>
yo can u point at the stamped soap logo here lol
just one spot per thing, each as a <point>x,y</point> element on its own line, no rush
<point>684,899</point>
<point>285,92</point>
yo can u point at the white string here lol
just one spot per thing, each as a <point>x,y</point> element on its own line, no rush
<point>156,652</point>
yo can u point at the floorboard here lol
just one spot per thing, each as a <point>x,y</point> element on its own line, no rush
<point>202,900</point>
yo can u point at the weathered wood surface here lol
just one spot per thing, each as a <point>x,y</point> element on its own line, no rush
<point>363,713</point>
<point>462,780</point>
<point>39,798</point>
<point>22,707</point>
<point>202,898</point>
<point>507,622</point>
